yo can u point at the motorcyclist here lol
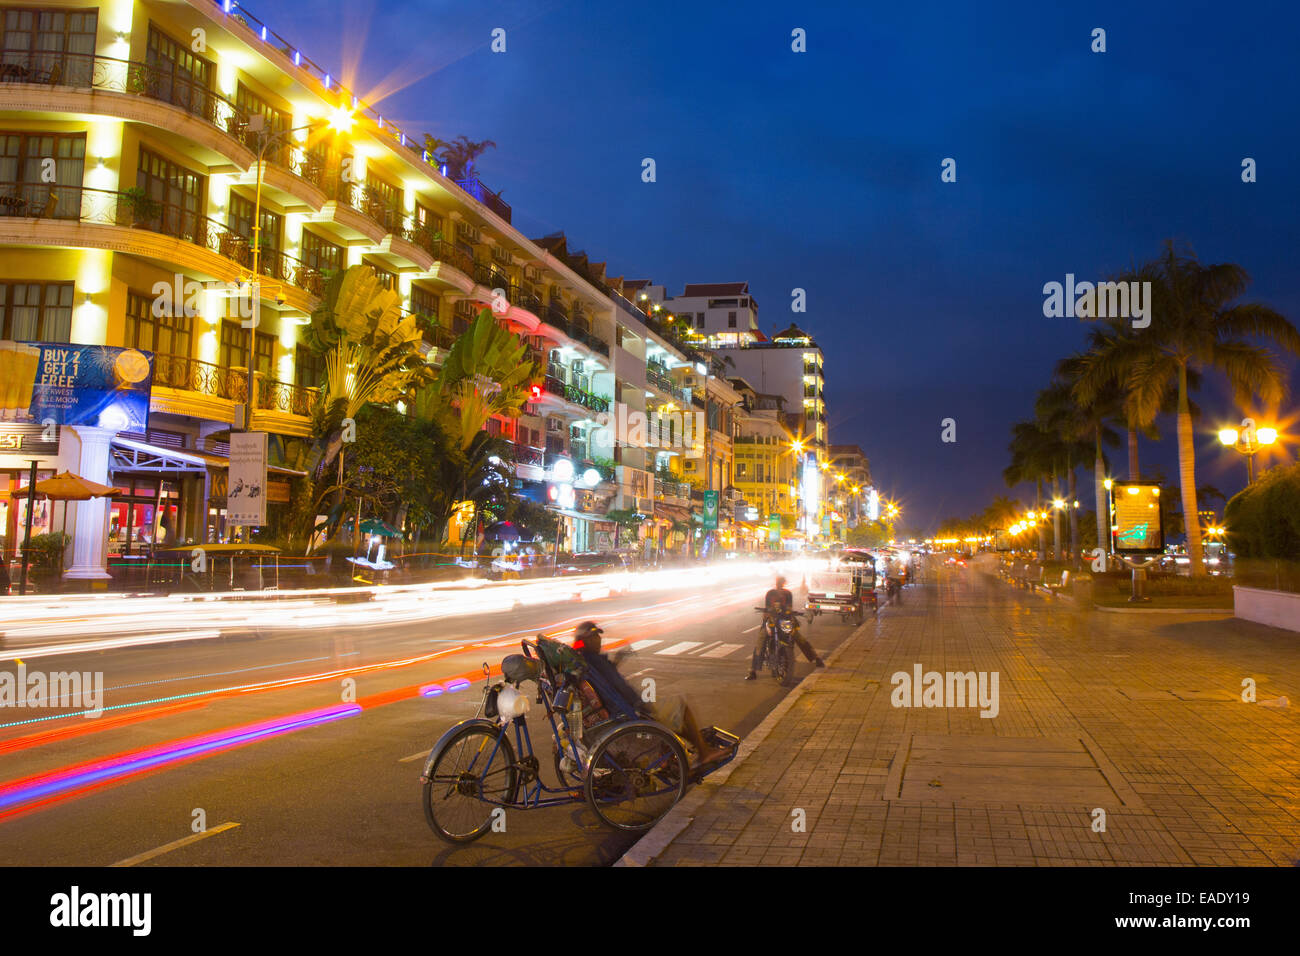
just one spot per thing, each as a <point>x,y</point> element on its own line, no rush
<point>675,713</point>
<point>780,599</point>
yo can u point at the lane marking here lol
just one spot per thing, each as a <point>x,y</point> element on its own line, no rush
<point>642,645</point>
<point>723,650</point>
<point>174,845</point>
<point>750,630</point>
<point>676,649</point>
<point>700,652</point>
<point>422,755</point>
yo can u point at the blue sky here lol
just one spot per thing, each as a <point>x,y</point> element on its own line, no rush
<point>821,171</point>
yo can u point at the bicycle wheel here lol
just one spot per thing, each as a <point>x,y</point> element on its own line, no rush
<point>475,766</point>
<point>636,775</point>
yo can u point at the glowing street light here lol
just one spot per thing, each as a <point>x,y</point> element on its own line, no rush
<point>1249,440</point>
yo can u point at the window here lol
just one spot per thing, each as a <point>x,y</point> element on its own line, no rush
<point>179,190</point>
<point>56,46</point>
<point>179,77</point>
<point>277,121</point>
<point>731,320</point>
<point>22,161</point>
<point>36,311</point>
<point>426,218</point>
<point>234,346</point>
<point>320,254</point>
<point>387,279</point>
<point>424,302</point>
<point>385,201</point>
<point>240,221</point>
<point>164,334</point>
<point>308,368</point>
<point>264,355</point>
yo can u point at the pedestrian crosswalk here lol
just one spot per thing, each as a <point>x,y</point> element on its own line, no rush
<point>714,650</point>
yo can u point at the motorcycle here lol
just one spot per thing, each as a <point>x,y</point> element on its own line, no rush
<point>779,629</point>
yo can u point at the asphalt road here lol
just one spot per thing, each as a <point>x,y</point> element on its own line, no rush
<point>344,791</point>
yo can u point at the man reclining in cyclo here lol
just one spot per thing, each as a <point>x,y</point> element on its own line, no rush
<point>676,714</point>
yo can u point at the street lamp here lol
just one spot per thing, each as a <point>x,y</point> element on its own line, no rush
<point>341,121</point>
<point>1248,441</point>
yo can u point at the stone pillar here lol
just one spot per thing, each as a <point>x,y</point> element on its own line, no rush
<point>89,544</point>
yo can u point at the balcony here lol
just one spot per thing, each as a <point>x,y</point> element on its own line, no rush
<point>285,398</point>
<point>571,393</point>
<point>675,491</point>
<point>190,375</point>
<point>74,204</point>
<point>486,196</point>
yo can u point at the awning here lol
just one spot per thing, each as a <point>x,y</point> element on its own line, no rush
<point>131,455</point>
<point>675,512</point>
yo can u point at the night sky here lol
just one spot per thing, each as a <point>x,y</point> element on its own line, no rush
<point>821,170</point>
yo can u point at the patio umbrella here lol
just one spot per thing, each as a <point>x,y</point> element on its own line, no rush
<point>66,486</point>
<point>379,527</point>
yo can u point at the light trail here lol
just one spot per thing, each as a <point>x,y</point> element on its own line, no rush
<point>39,791</point>
<point>41,627</point>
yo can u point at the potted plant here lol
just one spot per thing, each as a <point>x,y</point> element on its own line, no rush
<point>143,207</point>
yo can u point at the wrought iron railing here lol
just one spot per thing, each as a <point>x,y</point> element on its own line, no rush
<point>190,375</point>
<point>671,489</point>
<point>486,196</point>
<point>105,207</point>
<point>91,71</point>
<point>283,397</point>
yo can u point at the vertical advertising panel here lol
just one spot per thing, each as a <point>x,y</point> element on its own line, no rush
<point>246,490</point>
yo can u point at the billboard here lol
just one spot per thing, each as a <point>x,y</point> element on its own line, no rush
<point>1138,525</point>
<point>1002,540</point>
<point>97,385</point>
<point>246,485</point>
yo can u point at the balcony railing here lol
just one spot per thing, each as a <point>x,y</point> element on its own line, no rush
<point>671,489</point>
<point>283,397</point>
<point>486,196</point>
<point>578,396</point>
<point>190,375</point>
<point>104,207</point>
<point>90,71</point>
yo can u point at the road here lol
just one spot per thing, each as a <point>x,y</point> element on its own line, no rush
<point>304,747</point>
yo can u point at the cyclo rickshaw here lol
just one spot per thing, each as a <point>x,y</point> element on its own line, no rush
<point>629,769</point>
<point>848,588</point>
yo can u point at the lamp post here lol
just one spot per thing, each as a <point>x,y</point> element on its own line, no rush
<point>1249,440</point>
<point>341,121</point>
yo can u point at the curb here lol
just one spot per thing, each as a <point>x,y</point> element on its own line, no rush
<point>1164,610</point>
<point>646,849</point>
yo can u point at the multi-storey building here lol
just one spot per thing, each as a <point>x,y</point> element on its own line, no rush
<point>850,482</point>
<point>765,470</point>
<point>154,144</point>
<point>723,314</point>
<point>790,364</point>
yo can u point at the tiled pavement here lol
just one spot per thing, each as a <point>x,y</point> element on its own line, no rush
<point>1140,717</point>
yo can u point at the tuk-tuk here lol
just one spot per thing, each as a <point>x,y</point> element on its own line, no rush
<point>847,587</point>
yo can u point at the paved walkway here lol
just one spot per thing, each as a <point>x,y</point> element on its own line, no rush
<point>1136,718</point>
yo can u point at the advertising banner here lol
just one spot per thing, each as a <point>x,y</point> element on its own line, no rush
<point>246,487</point>
<point>1139,526</point>
<point>97,385</point>
<point>710,511</point>
<point>773,529</point>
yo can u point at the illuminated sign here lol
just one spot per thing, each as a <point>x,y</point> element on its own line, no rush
<point>96,385</point>
<point>28,439</point>
<point>1138,522</point>
<point>873,504</point>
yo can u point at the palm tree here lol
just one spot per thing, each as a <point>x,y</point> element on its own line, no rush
<point>1031,460</point>
<point>1194,327</point>
<point>1084,426</point>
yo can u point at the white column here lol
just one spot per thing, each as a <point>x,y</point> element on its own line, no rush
<point>89,544</point>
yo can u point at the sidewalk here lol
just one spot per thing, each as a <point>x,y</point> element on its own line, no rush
<point>1139,718</point>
